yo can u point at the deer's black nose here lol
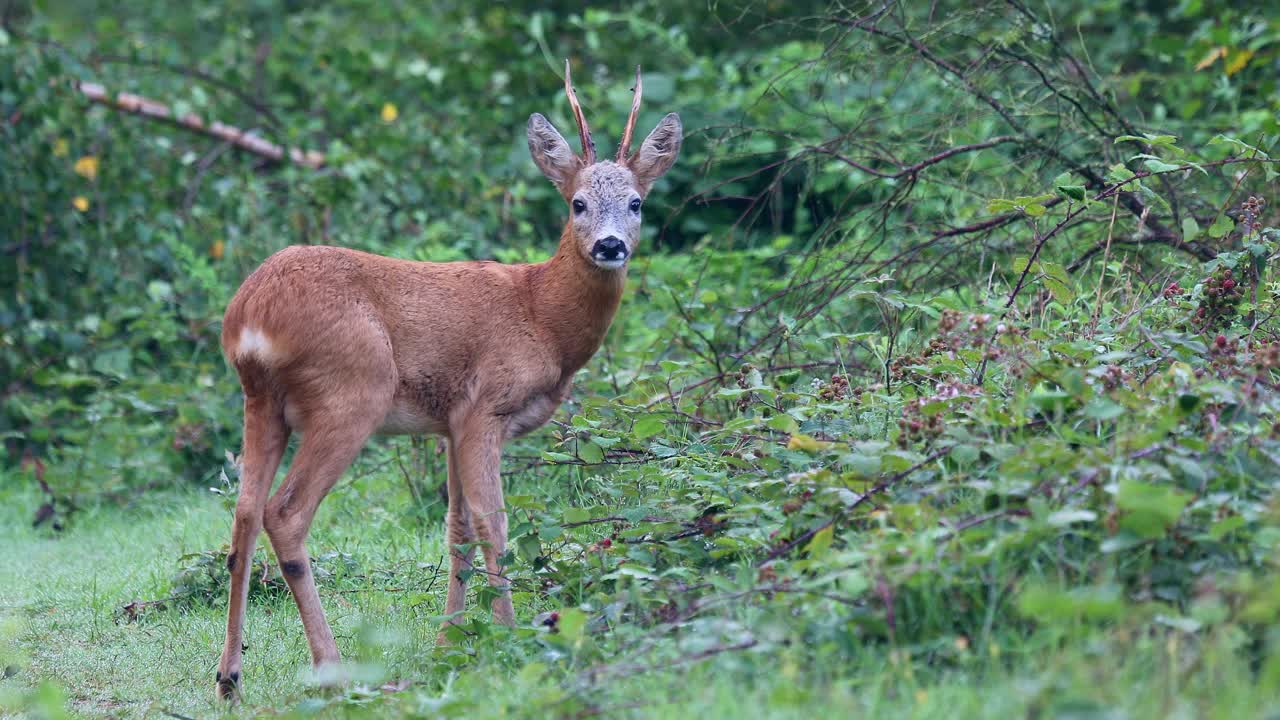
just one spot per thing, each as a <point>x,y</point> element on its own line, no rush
<point>609,249</point>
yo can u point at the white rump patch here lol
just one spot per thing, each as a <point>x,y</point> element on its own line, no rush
<point>254,342</point>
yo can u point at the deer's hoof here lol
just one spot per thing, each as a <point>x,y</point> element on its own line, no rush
<point>227,688</point>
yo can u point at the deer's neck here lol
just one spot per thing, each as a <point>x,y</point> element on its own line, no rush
<point>575,302</point>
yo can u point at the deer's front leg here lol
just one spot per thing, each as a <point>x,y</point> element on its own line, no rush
<point>475,449</point>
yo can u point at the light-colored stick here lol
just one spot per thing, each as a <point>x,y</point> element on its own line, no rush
<point>242,139</point>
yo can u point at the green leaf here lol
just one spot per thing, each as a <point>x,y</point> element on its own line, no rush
<point>525,502</point>
<point>893,461</point>
<point>1121,541</point>
<point>1150,510</point>
<point>528,547</point>
<point>1189,467</point>
<point>1118,173</point>
<point>783,422</point>
<point>1030,204</point>
<point>820,543</point>
<point>1239,146</point>
<point>1046,604</point>
<point>1160,166</point>
<point>591,453</point>
<point>1154,140</point>
<point>1221,226</point>
<point>572,625</point>
<point>1103,409</point>
<point>576,515</point>
<point>1071,192</point>
<point>114,362</point>
<point>1063,518</point>
<point>1190,229</point>
<point>1058,282</point>
<point>1226,526</point>
<point>648,426</point>
<point>808,444</point>
<point>786,379</point>
<point>1187,402</point>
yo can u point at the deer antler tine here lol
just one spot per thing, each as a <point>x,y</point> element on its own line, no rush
<point>624,148</point>
<point>584,133</point>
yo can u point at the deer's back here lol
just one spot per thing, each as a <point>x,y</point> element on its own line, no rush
<point>315,320</point>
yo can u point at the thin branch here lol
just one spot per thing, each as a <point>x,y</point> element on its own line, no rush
<point>880,487</point>
<point>204,77</point>
<point>599,671</point>
<point>915,167</point>
<point>240,139</point>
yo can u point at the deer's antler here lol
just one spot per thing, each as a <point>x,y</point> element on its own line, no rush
<point>624,148</point>
<point>584,133</point>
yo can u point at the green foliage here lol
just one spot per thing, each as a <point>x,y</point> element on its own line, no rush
<point>950,365</point>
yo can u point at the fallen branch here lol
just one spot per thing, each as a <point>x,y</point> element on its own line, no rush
<point>240,139</point>
<point>194,74</point>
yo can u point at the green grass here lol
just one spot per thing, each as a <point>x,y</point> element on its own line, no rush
<point>61,596</point>
<point>66,592</point>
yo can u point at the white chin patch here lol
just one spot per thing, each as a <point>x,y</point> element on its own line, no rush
<point>609,264</point>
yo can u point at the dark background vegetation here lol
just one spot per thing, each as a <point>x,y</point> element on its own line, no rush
<point>951,346</point>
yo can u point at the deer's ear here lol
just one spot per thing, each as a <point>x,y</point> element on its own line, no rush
<point>551,153</point>
<point>658,153</point>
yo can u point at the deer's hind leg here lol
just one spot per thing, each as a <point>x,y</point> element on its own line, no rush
<point>320,461</point>
<point>337,419</point>
<point>265,438</point>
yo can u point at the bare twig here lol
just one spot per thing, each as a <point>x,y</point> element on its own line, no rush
<point>636,668</point>
<point>918,166</point>
<point>880,487</point>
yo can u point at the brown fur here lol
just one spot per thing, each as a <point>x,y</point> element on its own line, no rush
<point>337,344</point>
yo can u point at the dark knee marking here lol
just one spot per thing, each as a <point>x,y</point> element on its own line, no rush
<point>231,562</point>
<point>293,569</point>
<point>232,680</point>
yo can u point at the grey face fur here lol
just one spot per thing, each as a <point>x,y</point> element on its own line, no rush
<point>605,198</point>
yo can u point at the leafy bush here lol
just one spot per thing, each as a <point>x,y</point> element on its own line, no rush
<point>956,337</point>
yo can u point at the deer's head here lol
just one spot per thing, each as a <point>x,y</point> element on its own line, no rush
<point>604,197</point>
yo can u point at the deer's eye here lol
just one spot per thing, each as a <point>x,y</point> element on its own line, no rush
<point>579,206</point>
<point>635,205</point>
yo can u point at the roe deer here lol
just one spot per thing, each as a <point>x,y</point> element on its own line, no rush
<point>337,345</point>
